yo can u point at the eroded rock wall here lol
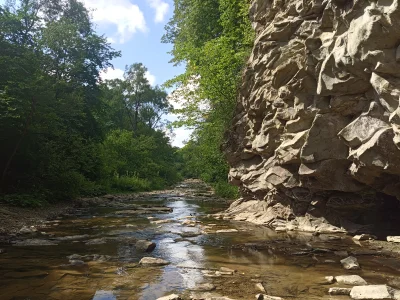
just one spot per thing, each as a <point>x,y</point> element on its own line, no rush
<point>315,144</point>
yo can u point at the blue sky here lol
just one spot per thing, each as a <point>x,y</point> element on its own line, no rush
<point>135,27</point>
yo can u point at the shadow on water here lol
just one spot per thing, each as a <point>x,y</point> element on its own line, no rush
<point>105,265</point>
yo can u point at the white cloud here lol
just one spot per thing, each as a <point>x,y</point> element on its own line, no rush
<point>161,8</point>
<point>116,73</point>
<point>182,135</point>
<point>127,17</point>
<point>111,73</point>
<point>151,78</point>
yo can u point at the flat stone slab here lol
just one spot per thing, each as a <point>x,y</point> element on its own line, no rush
<point>371,292</point>
<point>350,280</point>
<point>152,261</point>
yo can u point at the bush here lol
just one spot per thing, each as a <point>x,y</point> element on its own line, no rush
<point>132,184</point>
<point>25,200</point>
<point>225,190</point>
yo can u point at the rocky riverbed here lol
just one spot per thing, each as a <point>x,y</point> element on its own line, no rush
<point>175,245</point>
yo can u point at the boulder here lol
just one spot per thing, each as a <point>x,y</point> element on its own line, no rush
<point>152,261</point>
<point>350,280</point>
<point>350,263</point>
<point>145,246</point>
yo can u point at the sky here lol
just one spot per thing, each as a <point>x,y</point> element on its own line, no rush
<point>135,28</point>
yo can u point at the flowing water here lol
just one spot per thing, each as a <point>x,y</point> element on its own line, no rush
<point>292,266</point>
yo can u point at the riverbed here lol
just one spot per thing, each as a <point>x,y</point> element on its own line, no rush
<point>92,254</point>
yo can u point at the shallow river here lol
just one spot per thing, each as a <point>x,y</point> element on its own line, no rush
<point>292,266</point>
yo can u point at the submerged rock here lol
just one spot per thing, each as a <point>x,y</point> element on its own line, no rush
<point>204,287</point>
<point>151,261</point>
<point>27,230</point>
<point>350,263</point>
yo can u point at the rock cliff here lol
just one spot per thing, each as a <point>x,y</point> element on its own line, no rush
<point>315,143</point>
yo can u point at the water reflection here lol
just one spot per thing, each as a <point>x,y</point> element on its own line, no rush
<point>105,295</point>
<point>292,265</point>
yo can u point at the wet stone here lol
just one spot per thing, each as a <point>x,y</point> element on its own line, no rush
<point>339,291</point>
<point>364,237</point>
<point>350,263</point>
<point>145,246</point>
<point>151,261</point>
<point>260,287</point>
<point>205,287</point>
<point>77,263</point>
<point>350,280</point>
<point>27,230</point>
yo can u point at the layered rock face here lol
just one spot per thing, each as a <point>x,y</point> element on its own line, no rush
<point>315,144</point>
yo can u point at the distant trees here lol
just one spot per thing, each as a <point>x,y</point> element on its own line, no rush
<point>58,122</point>
<point>213,38</point>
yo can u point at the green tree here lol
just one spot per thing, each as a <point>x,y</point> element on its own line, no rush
<point>213,38</point>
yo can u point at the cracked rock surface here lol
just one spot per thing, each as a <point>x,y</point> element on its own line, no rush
<point>315,142</point>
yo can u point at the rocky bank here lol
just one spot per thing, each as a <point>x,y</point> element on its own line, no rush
<point>315,143</point>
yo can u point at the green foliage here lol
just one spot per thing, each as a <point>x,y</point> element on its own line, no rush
<point>63,132</point>
<point>213,38</point>
<point>129,183</point>
<point>25,200</point>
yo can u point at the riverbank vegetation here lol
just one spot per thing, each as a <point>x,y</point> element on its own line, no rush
<point>212,38</point>
<point>63,132</point>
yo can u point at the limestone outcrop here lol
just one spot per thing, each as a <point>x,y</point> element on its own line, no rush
<point>315,143</point>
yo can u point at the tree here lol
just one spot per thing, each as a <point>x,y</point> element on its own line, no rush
<point>213,38</point>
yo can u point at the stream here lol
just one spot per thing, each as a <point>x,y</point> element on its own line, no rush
<point>92,254</point>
